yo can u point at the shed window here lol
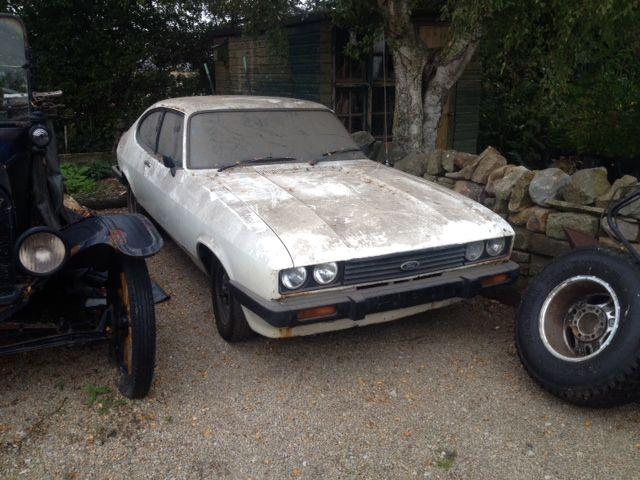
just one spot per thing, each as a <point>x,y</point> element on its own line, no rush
<point>378,109</point>
<point>350,102</point>
<point>346,67</point>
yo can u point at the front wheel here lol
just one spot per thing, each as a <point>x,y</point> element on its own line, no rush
<point>134,325</point>
<point>578,327</point>
<point>230,320</point>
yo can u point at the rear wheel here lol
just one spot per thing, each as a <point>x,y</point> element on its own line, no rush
<point>229,317</point>
<point>131,299</point>
<point>578,328</point>
<point>132,204</point>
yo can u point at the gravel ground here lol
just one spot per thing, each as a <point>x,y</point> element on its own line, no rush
<point>440,395</point>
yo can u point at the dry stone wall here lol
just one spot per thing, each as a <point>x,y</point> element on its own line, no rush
<point>538,203</point>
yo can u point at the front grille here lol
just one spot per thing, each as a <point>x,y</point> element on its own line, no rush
<point>388,267</point>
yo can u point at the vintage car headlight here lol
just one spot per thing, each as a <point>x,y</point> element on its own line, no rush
<point>474,251</point>
<point>40,135</point>
<point>325,273</point>
<point>294,278</point>
<point>41,252</point>
<point>495,246</point>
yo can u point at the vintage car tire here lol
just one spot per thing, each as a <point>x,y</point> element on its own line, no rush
<point>592,293</point>
<point>131,296</point>
<point>229,317</point>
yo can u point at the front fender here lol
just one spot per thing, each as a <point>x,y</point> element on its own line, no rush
<point>132,235</point>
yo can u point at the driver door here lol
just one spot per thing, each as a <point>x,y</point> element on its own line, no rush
<point>161,180</point>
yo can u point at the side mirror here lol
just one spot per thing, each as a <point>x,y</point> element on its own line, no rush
<point>170,164</point>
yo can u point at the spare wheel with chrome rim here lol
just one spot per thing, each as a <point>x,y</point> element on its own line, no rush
<point>578,327</point>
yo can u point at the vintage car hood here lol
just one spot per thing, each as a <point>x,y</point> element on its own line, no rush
<point>357,209</point>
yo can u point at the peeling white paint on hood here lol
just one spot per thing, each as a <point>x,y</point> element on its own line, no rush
<point>357,209</point>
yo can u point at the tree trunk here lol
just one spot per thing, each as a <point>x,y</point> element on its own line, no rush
<point>409,59</point>
<point>408,113</point>
<point>447,69</point>
<point>424,76</point>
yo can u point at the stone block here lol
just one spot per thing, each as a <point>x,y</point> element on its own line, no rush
<point>556,222</point>
<point>585,186</point>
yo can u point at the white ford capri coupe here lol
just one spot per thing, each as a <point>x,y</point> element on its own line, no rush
<point>299,232</point>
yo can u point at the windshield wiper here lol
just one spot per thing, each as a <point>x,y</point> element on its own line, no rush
<point>333,152</point>
<point>248,161</point>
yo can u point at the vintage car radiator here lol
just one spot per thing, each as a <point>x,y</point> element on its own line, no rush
<point>6,243</point>
<point>393,266</point>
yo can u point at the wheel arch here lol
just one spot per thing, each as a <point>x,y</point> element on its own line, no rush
<point>208,257</point>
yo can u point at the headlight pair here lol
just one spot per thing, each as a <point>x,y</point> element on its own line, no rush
<point>41,252</point>
<point>492,248</point>
<point>323,274</point>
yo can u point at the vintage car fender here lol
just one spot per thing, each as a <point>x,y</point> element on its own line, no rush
<point>131,235</point>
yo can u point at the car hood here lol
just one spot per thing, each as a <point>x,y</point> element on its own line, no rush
<point>357,209</point>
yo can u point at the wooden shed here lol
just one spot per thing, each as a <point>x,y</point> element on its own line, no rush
<point>313,66</point>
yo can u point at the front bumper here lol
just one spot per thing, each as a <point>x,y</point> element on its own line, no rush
<point>356,304</point>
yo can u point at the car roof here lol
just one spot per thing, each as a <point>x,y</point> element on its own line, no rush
<point>190,105</point>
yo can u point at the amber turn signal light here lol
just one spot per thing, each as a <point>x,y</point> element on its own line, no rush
<point>495,280</point>
<point>313,313</point>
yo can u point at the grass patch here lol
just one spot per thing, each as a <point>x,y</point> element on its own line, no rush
<point>103,397</point>
<point>83,178</point>
<point>446,459</point>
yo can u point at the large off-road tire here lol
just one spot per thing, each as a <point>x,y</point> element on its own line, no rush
<point>134,324</point>
<point>229,317</point>
<point>578,327</point>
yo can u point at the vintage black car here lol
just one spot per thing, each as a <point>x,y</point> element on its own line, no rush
<point>67,277</point>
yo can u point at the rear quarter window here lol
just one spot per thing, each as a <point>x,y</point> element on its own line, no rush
<point>148,131</point>
<point>170,141</point>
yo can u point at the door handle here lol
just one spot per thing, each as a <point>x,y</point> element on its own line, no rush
<point>147,163</point>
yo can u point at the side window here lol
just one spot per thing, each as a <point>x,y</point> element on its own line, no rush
<point>170,141</point>
<point>148,131</point>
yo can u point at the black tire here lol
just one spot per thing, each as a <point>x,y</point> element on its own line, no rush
<point>134,207</point>
<point>606,375</point>
<point>132,204</point>
<point>229,317</point>
<point>134,343</point>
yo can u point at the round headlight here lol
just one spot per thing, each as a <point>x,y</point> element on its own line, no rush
<point>42,253</point>
<point>495,246</point>
<point>294,278</point>
<point>325,273</point>
<point>40,136</point>
<point>474,251</point>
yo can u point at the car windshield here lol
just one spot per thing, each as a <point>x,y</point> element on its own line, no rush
<point>13,71</point>
<point>219,139</point>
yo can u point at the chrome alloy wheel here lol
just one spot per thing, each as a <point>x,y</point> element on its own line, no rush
<point>579,318</point>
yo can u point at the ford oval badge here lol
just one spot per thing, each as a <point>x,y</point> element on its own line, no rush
<point>410,265</point>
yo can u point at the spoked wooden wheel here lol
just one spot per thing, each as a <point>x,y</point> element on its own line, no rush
<point>134,342</point>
